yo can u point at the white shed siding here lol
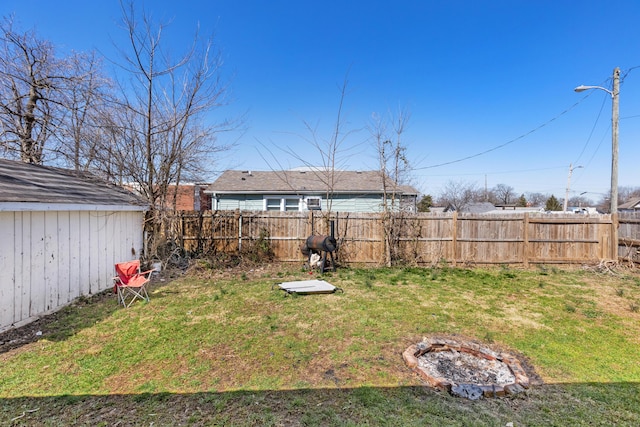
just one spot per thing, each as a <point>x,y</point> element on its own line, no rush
<point>49,258</point>
<point>7,273</point>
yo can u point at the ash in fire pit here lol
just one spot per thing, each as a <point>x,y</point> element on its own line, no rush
<point>466,369</point>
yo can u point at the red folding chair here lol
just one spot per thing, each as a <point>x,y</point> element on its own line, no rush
<point>130,282</point>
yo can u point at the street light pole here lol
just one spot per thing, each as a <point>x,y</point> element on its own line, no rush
<point>615,94</point>
<point>566,195</point>
<point>615,111</point>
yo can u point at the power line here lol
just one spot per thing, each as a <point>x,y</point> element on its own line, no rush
<point>593,128</point>
<point>497,172</point>
<point>508,142</point>
<point>530,132</point>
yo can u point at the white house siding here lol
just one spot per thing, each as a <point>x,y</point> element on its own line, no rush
<point>359,203</point>
<point>244,203</point>
<point>49,258</point>
<point>341,203</point>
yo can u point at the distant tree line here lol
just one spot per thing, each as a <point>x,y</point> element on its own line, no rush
<point>458,195</point>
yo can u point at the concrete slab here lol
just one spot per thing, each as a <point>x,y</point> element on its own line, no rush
<point>308,287</point>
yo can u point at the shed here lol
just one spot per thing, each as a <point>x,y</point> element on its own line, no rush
<point>61,232</point>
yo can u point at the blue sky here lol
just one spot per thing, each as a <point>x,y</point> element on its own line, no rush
<point>476,76</point>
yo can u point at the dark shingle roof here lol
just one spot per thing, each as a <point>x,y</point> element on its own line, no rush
<point>27,183</point>
<point>300,182</point>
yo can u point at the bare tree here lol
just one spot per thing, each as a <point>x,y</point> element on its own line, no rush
<point>503,193</point>
<point>393,167</point>
<point>34,92</point>
<point>627,193</point>
<point>82,140</point>
<point>580,201</point>
<point>166,103</point>
<point>537,199</point>
<point>157,130</point>
<point>329,149</point>
<point>459,194</point>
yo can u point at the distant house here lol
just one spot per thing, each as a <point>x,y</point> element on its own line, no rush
<point>303,190</point>
<point>61,232</point>
<point>189,197</point>
<point>479,207</point>
<point>632,205</point>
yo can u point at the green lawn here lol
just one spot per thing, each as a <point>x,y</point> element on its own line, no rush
<point>218,347</point>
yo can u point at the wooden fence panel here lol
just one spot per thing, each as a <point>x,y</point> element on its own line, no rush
<point>419,239</point>
<point>360,237</point>
<point>629,235</point>
<point>490,239</point>
<point>568,239</point>
<point>285,231</point>
<point>203,232</point>
<point>427,239</point>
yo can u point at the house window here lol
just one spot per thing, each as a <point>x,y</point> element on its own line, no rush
<point>314,204</point>
<point>281,204</point>
<point>273,204</point>
<point>291,205</point>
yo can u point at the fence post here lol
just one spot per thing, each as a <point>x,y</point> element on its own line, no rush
<point>454,239</point>
<point>239,219</point>
<point>309,228</point>
<point>525,238</point>
<point>614,236</point>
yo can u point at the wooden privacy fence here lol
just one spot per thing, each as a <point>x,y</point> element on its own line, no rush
<point>418,239</point>
<point>629,236</point>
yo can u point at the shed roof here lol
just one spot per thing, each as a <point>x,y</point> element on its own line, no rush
<point>22,184</point>
<point>301,182</point>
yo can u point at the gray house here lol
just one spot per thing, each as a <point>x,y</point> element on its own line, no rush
<point>303,190</point>
<point>61,233</point>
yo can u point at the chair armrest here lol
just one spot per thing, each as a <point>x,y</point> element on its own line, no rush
<point>144,273</point>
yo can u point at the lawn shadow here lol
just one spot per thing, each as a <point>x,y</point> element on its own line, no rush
<point>558,404</point>
<point>83,312</point>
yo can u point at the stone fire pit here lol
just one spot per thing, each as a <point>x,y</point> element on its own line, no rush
<point>466,369</point>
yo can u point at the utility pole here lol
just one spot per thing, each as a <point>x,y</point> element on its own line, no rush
<point>566,194</point>
<point>615,111</point>
<point>486,190</point>
<point>615,94</point>
<point>615,119</point>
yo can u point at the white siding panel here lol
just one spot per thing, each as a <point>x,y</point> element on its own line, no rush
<point>7,267</point>
<point>49,258</point>
<point>50,275</point>
<point>63,266</point>
<point>37,289</point>
<point>126,227</point>
<point>23,266</point>
<point>84,264</point>
<point>99,251</point>
<point>74,243</point>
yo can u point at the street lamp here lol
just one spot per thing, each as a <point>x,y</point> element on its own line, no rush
<point>566,195</point>
<point>614,93</point>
